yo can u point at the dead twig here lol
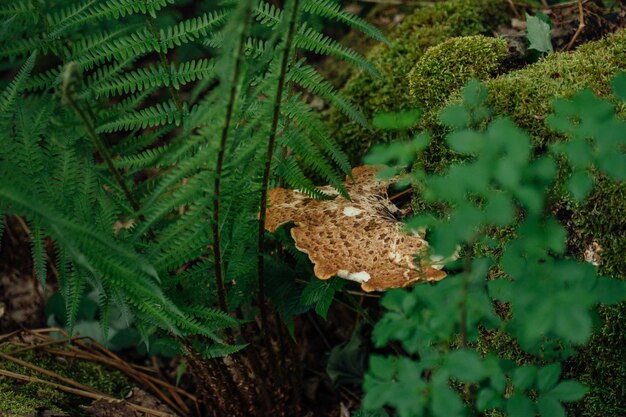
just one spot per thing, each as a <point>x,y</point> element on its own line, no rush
<point>581,25</point>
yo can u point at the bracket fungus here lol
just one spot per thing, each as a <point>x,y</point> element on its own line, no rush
<point>359,240</point>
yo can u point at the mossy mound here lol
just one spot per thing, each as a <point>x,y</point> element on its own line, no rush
<point>448,66</point>
<point>426,27</point>
<point>18,399</point>
<point>527,96</point>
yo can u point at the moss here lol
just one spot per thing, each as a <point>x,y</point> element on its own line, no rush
<point>21,399</point>
<point>445,68</point>
<point>426,27</point>
<point>601,365</point>
<point>526,95</point>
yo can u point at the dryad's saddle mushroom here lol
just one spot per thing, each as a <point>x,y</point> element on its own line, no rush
<point>360,240</point>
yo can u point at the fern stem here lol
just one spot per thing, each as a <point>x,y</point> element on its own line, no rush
<point>178,102</point>
<point>100,147</point>
<point>268,161</point>
<point>217,185</point>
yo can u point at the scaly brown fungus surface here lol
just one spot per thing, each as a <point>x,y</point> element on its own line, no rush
<point>360,240</point>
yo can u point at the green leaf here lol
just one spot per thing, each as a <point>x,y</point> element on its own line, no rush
<point>550,407</point>
<point>548,376</point>
<point>466,141</point>
<point>610,290</point>
<point>445,402</point>
<point>524,377</point>
<point>500,210</point>
<point>466,365</point>
<point>487,398</point>
<point>580,185</point>
<point>455,117</point>
<point>574,324</point>
<point>520,406</point>
<point>346,363</point>
<point>568,391</point>
<point>382,367</point>
<point>538,34</point>
<point>619,86</point>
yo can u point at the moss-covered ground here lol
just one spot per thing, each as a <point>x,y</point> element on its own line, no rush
<point>18,399</point>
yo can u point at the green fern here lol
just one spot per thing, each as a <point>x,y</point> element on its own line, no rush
<point>109,148</point>
<point>331,9</point>
<point>11,92</point>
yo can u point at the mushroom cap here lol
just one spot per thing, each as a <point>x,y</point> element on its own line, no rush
<point>360,240</point>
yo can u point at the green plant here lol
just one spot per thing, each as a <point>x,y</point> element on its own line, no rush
<point>523,285</point>
<point>143,143</point>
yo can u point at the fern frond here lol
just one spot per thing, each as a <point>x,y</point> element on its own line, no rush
<point>304,117</point>
<point>37,242</point>
<point>76,292</point>
<point>156,115</point>
<point>68,17</point>
<point>267,14</point>
<point>309,39</point>
<point>311,157</point>
<point>143,42</point>
<point>184,194</point>
<point>220,351</point>
<point>332,10</point>
<point>133,144</point>
<point>20,8</point>
<point>289,170</point>
<point>102,77</point>
<point>134,45</point>
<point>313,81</point>
<point>23,47</point>
<point>191,29</point>
<point>121,8</point>
<point>104,304</point>
<point>92,42</point>
<point>211,315</point>
<point>50,78</point>
<point>156,76</point>
<point>12,90</point>
<point>145,159</point>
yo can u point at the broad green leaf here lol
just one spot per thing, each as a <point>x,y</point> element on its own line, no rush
<point>619,86</point>
<point>568,391</point>
<point>445,402</point>
<point>548,376</point>
<point>455,117</point>
<point>610,290</point>
<point>580,185</point>
<point>524,377</point>
<point>538,34</point>
<point>487,398</point>
<point>466,141</point>
<point>520,406</point>
<point>466,365</point>
<point>550,407</point>
<point>574,324</point>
